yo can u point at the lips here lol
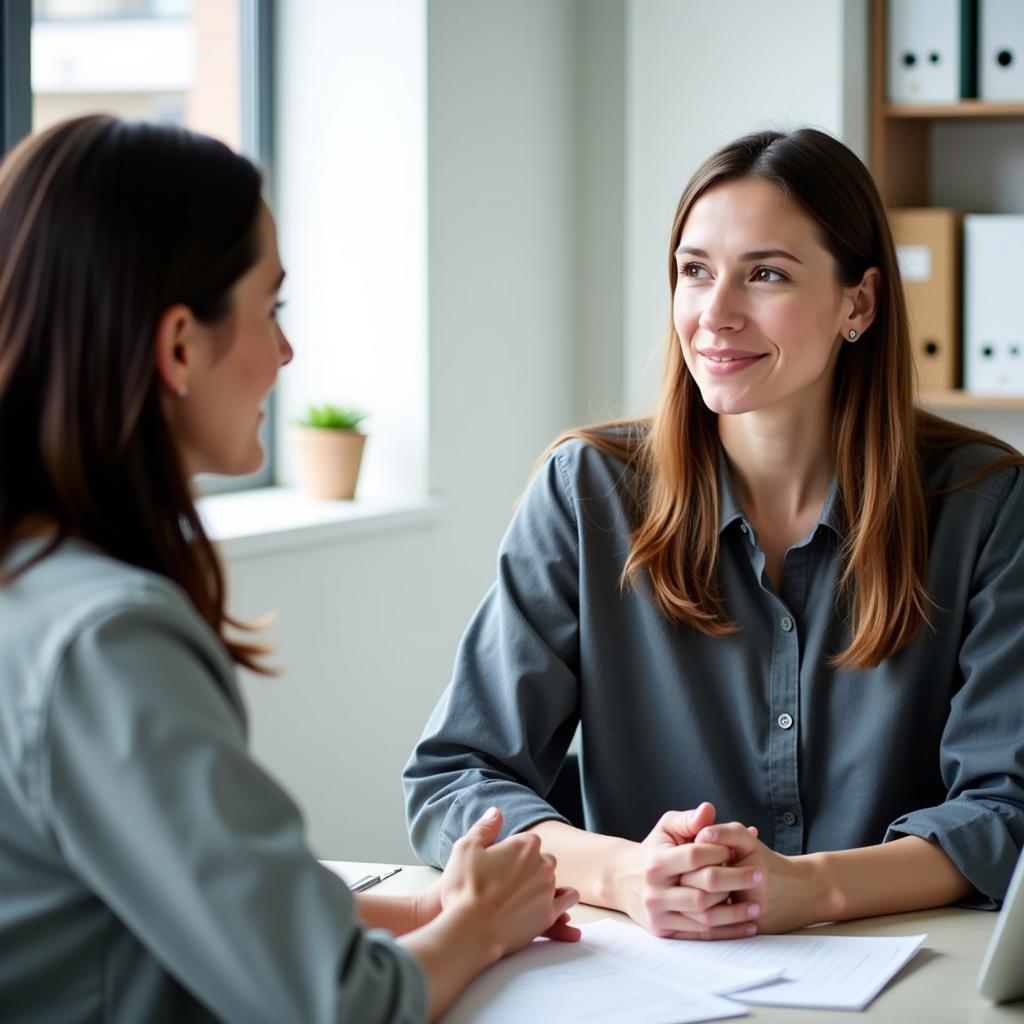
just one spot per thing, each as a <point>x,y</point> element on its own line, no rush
<point>722,361</point>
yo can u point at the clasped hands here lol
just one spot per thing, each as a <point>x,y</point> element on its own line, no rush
<point>694,879</point>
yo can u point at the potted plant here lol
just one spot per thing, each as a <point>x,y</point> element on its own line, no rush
<point>328,450</point>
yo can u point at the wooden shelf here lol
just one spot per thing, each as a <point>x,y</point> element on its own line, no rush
<point>901,133</point>
<point>979,109</point>
<point>958,399</point>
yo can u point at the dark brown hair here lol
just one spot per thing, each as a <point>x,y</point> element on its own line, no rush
<point>879,436</point>
<point>105,224</point>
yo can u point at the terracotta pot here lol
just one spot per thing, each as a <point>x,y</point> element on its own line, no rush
<point>327,461</point>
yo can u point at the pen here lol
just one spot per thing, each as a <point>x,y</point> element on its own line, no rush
<point>369,881</point>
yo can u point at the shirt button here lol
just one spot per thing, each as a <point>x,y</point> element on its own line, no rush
<point>789,818</point>
<point>785,721</point>
<point>786,623</point>
<point>743,527</point>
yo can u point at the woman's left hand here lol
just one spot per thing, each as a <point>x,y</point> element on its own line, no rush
<point>791,892</point>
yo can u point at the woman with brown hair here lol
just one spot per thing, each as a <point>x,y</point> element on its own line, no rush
<point>791,600</point>
<point>149,869</point>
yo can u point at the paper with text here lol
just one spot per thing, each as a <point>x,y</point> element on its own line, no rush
<point>828,972</point>
<point>672,962</point>
<point>579,981</point>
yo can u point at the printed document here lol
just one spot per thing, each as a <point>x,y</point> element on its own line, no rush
<point>829,972</point>
<point>579,981</point>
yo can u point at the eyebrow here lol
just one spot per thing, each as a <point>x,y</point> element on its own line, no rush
<point>276,286</point>
<point>754,254</point>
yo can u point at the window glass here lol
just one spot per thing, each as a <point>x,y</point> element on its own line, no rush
<point>165,60</point>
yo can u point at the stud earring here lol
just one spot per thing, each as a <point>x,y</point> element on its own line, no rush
<point>183,391</point>
<point>853,335</point>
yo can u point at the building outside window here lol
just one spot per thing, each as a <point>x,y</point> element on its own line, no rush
<point>163,60</point>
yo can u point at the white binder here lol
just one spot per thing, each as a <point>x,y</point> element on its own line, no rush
<point>1001,50</point>
<point>993,312</point>
<point>923,63</point>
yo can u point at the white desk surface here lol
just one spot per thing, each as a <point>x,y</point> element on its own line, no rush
<point>937,986</point>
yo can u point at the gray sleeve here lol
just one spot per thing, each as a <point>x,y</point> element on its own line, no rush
<point>158,807</point>
<point>980,826</point>
<point>501,729</point>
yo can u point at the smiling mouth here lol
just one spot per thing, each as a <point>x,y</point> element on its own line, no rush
<point>729,362</point>
<point>729,357</point>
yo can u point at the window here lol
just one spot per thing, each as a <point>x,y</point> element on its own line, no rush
<point>199,63</point>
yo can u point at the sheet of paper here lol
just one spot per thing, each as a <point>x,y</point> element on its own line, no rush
<point>829,972</point>
<point>579,981</point>
<point>671,961</point>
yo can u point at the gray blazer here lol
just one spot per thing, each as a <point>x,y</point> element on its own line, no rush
<point>149,869</point>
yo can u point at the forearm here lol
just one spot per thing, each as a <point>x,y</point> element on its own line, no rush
<point>595,865</point>
<point>906,874</point>
<point>396,914</point>
<point>452,949</point>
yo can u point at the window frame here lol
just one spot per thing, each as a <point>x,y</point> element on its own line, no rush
<point>15,71</point>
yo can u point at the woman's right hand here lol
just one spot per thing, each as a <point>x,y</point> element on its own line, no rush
<point>495,898</point>
<point>652,884</point>
<point>508,887</point>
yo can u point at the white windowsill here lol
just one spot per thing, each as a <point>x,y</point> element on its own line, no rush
<point>269,519</point>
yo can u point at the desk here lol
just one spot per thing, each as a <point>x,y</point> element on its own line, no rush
<point>937,986</point>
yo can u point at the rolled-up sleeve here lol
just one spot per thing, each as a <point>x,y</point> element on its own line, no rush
<point>980,826</point>
<point>152,797</point>
<point>501,730</point>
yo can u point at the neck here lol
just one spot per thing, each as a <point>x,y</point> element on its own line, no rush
<point>781,461</point>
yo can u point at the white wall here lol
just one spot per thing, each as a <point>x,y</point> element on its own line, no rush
<point>698,75</point>
<point>367,629</point>
<point>599,250</point>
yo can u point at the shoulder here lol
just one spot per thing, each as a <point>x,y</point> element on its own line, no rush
<point>586,483</point>
<point>598,460</point>
<point>88,643</point>
<point>82,583</point>
<point>79,598</point>
<point>976,470</point>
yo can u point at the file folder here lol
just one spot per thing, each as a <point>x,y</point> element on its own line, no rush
<point>928,249</point>
<point>1001,50</point>
<point>993,312</point>
<point>931,52</point>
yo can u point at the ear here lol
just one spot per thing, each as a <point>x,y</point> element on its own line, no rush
<point>861,303</point>
<point>175,349</point>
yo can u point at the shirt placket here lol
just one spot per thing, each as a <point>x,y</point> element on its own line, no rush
<point>784,699</point>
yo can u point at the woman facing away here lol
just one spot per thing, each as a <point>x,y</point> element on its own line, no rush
<point>149,870</point>
<point>790,601</point>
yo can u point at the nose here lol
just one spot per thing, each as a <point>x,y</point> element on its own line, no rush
<point>723,310</point>
<point>285,351</point>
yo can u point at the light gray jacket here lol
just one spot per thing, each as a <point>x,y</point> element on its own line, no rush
<point>149,869</point>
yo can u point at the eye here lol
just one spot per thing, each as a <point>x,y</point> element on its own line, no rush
<point>276,308</point>
<point>696,271</point>
<point>769,275</point>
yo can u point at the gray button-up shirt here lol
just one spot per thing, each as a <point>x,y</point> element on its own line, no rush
<point>929,743</point>
<point>150,870</point>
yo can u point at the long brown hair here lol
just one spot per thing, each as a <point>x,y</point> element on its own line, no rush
<point>105,224</point>
<point>879,437</point>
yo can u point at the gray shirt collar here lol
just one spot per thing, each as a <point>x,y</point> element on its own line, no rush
<point>729,508</point>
